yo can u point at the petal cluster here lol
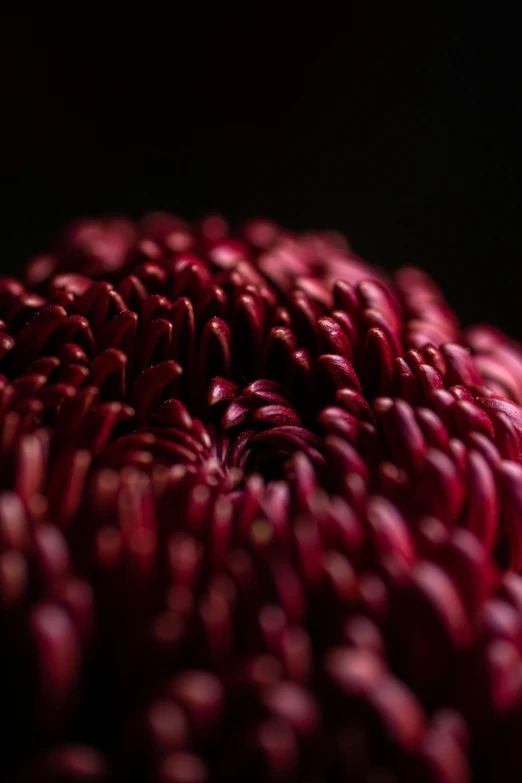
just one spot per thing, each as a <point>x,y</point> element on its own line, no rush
<point>260,515</point>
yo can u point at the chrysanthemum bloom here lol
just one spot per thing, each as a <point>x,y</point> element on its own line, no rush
<point>260,516</point>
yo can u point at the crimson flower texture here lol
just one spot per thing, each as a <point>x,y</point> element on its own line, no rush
<point>260,516</point>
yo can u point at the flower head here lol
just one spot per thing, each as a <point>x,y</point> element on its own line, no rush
<point>260,515</point>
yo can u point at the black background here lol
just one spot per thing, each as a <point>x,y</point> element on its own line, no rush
<point>398,126</point>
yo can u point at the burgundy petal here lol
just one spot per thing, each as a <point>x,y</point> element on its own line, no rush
<point>378,363</point>
<point>148,387</point>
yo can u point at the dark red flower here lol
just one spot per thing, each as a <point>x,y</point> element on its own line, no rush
<point>260,516</point>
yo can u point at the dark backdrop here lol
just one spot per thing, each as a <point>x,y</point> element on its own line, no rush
<point>401,127</point>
